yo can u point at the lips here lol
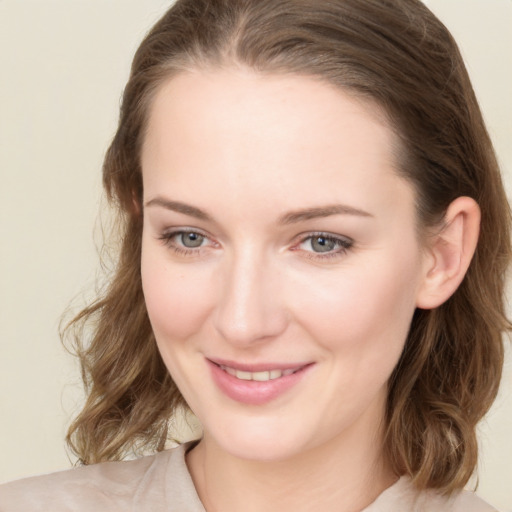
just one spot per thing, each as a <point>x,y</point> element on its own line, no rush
<point>256,384</point>
<point>262,376</point>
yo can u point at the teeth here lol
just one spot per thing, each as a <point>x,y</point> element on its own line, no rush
<point>258,376</point>
<point>261,376</point>
<point>229,370</point>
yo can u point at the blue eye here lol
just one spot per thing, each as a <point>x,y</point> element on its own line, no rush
<point>325,245</point>
<point>190,240</point>
<point>185,242</point>
<point>315,245</point>
<point>322,244</point>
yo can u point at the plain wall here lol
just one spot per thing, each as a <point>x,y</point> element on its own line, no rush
<point>63,65</point>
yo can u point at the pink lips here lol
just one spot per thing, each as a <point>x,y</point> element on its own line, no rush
<point>255,392</point>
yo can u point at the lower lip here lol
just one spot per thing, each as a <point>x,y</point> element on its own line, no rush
<point>254,392</point>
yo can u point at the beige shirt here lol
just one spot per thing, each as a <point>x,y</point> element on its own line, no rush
<point>162,483</point>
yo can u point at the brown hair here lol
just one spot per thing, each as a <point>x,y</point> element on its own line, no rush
<point>394,52</point>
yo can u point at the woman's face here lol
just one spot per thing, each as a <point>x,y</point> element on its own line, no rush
<point>280,263</point>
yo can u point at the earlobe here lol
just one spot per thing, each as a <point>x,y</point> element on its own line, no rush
<point>449,253</point>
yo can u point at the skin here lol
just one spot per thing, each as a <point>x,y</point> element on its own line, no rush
<point>247,150</point>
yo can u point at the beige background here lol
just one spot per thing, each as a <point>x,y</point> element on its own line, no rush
<point>63,64</point>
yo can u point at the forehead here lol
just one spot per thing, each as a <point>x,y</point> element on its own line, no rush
<point>263,105</point>
<point>286,136</point>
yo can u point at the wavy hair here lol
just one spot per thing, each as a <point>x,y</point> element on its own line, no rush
<point>399,55</point>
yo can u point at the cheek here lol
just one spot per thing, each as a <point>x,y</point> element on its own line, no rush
<point>177,300</point>
<point>363,311</point>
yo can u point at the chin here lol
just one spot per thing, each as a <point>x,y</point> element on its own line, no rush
<point>258,440</point>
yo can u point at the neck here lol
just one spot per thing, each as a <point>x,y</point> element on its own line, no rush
<point>342,475</point>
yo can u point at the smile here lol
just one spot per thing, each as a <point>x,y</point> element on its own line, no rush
<point>257,384</point>
<point>261,376</point>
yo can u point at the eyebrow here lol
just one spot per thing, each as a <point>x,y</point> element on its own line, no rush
<point>323,211</point>
<point>288,218</point>
<point>179,207</point>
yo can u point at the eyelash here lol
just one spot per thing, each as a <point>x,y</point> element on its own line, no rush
<point>168,240</point>
<point>342,244</point>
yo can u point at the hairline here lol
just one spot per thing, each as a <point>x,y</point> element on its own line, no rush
<point>227,62</point>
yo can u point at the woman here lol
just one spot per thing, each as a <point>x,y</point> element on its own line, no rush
<point>315,238</point>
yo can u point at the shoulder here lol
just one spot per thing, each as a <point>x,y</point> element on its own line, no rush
<point>403,497</point>
<point>108,486</point>
<point>464,501</point>
<point>468,501</point>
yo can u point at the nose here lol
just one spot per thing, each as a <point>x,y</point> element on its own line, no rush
<point>250,308</point>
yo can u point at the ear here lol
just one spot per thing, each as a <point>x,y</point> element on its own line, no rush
<point>449,253</point>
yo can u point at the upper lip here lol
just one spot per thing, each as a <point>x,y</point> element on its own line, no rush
<point>258,367</point>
